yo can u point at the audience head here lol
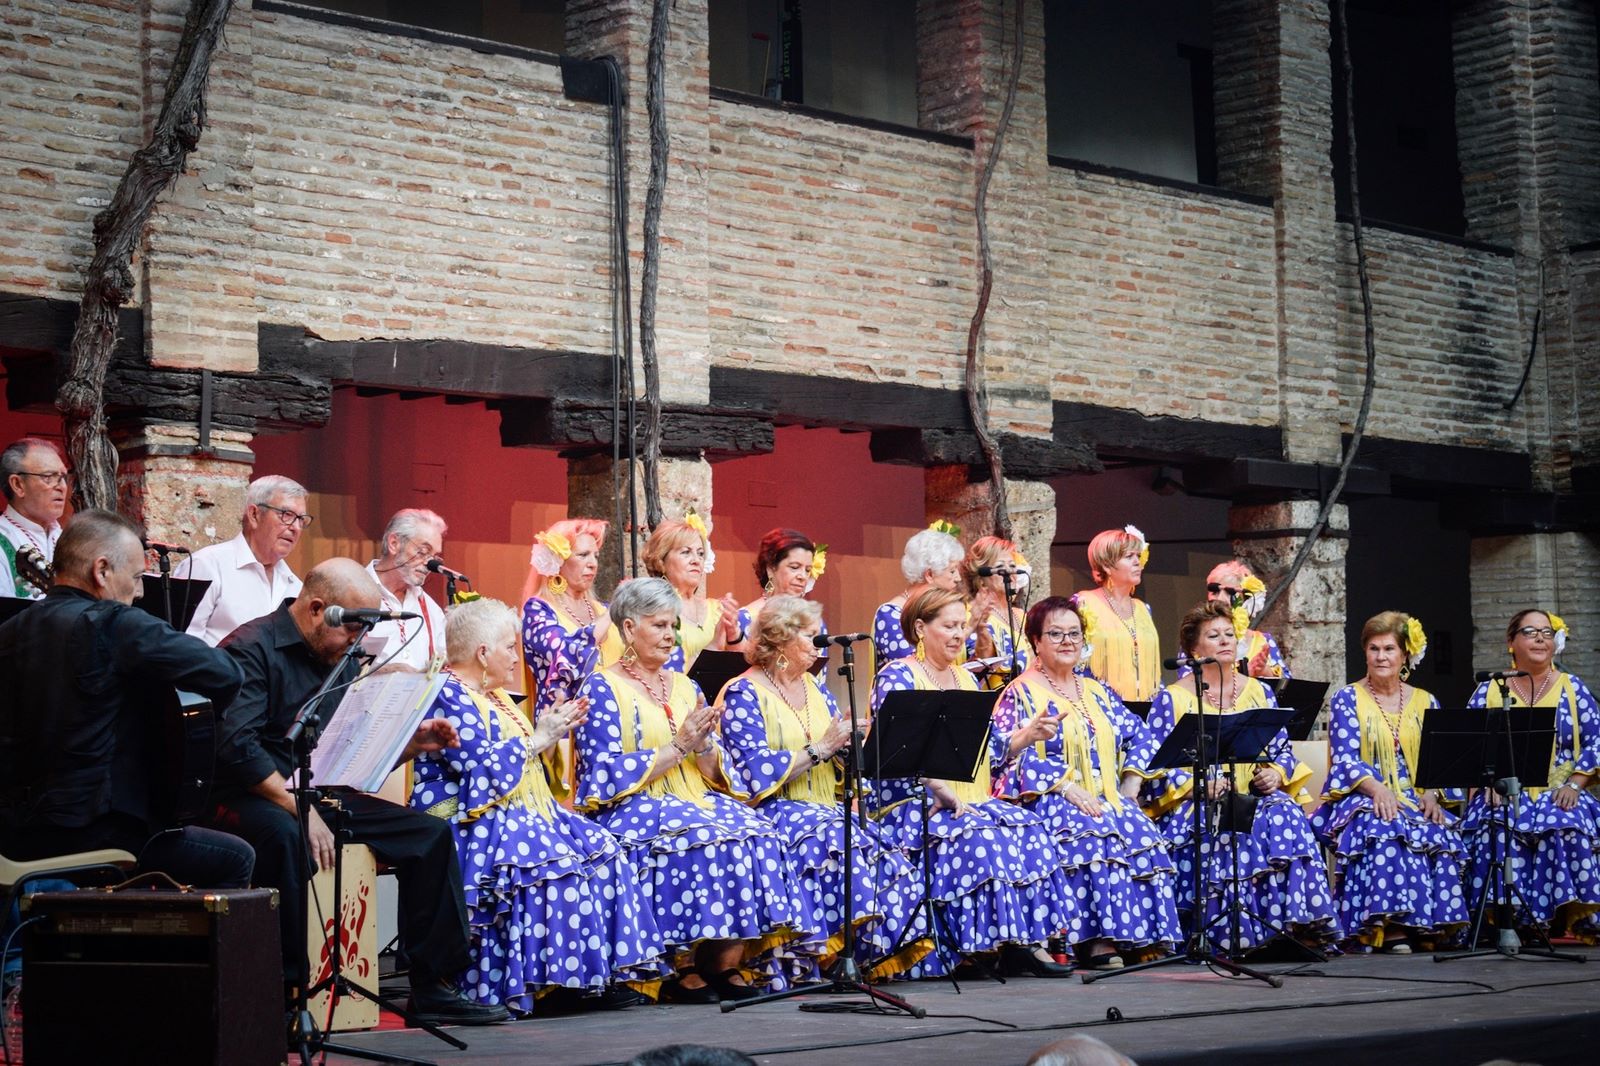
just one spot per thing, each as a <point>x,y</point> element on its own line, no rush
<point>784,628</point>
<point>1080,1049</point>
<point>783,562</point>
<point>412,537</point>
<point>274,516</point>
<point>334,582</point>
<point>101,553</point>
<point>933,558</point>
<point>35,480</point>
<point>691,1055</point>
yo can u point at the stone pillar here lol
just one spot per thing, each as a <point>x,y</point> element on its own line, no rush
<point>621,28</point>
<point>180,496</point>
<point>592,491</point>
<point>1552,571</point>
<point>1274,118</point>
<point>1308,620</point>
<point>951,494</point>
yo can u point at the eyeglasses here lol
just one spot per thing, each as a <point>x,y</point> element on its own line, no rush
<point>55,479</point>
<point>1215,588</point>
<point>288,517</point>
<point>1062,636</point>
<point>1529,631</point>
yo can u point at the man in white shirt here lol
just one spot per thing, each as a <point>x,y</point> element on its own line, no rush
<point>248,575</point>
<point>36,485</point>
<point>410,540</point>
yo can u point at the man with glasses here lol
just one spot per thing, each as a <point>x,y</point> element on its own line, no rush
<point>36,485</point>
<point>249,577</point>
<point>411,539</point>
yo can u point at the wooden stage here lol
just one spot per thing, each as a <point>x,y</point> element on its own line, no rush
<point>1352,1011</point>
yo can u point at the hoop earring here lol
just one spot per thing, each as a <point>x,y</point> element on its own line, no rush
<point>922,650</point>
<point>558,585</point>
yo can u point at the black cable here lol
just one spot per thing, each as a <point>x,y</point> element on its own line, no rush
<point>1527,364</point>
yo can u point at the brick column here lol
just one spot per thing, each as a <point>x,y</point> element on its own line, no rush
<point>1274,114</point>
<point>186,499</point>
<point>621,28</point>
<point>591,492</point>
<point>949,493</point>
<point>1552,571</point>
<point>1309,619</point>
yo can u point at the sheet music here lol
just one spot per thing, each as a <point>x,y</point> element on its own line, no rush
<point>375,720</point>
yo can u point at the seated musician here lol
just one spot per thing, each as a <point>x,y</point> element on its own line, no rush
<point>77,732</point>
<point>285,656</point>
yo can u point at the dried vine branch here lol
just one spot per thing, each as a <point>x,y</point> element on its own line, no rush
<point>108,283</point>
<point>973,383</point>
<point>656,106</point>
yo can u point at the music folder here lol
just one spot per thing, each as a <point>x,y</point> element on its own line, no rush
<point>930,733</point>
<point>186,596</point>
<point>1240,737</point>
<point>1464,747</point>
<point>1305,698</point>
<point>712,670</point>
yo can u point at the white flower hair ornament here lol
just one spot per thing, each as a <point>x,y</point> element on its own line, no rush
<point>1144,542</point>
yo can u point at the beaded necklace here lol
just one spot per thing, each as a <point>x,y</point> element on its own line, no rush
<point>802,713</point>
<point>663,701</point>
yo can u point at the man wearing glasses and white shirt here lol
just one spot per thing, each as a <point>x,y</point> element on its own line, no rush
<point>410,540</point>
<point>248,576</point>
<point>36,485</point>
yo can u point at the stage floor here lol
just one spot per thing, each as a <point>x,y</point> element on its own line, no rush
<point>1353,1011</point>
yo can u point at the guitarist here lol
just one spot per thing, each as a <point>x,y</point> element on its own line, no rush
<point>36,485</point>
<point>84,669</point>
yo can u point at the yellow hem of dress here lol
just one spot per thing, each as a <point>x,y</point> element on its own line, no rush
<point>902,960</point>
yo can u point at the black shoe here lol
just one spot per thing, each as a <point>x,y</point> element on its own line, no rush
<point>438,1005</point>
<point>616,997</point>
<point>723,983</point>
<point>1018,960</point>
<point>674,991</point>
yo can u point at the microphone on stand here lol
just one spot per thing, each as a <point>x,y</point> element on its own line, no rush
<point>163,547</point>
<point>1178,662</point>
<point>438,567</point>
<point>841,639</point>
<point>1497,675</point>
<point>335,615</point>
<point>992,571</point>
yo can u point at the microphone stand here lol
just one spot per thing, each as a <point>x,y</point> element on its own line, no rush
<point>1011,626</point>
<point>306,1039</point>
<point>1198,947</point>
<point>845,974</point>
<point>164,567</point>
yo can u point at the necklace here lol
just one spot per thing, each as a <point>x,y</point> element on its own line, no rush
<point>1129,625</point>
<point>1534,696</point>
<point>1394,719</point>
<point>663,700</point>
<point>1230,691</point>
<point>1078,703</point>
<point>934,681</point>
<point>802,712</point>
<point>588,608</point>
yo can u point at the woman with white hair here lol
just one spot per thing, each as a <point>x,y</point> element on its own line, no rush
<point>932,559</point>
<point>552,900</point>
<point>784,736</point>
<point>713,871</point>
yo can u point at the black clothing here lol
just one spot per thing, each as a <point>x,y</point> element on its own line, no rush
<point>79,725</point>
<point>281,673</point>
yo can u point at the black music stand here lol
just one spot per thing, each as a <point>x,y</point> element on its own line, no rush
<point>1306,699</point>
<point>1140,709</point>
<point>942,734</point>
<point>712,670</point>
<point>158,598</point>
<point>1196,743</point>
<point>1492,749</point>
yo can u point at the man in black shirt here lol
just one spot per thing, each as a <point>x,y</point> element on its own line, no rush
<point>285,656</point>
<point>80,726</point>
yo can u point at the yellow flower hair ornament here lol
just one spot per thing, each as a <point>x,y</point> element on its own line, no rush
<point>698,524</point>
<point>1561,631</point>
<point>550,550</point>
<point>1241,622</point>
<point>819,561</point>
<point>1091,633</point>
<point>1024,574</point>
<point>1416,643</point>
<point>944,525</point>
<point>1144,544</point>
<point>466,596</point>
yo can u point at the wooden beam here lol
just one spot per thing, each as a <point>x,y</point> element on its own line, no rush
<point>1418,467</point>
<point>1490,513</point>
<point>579,428</point>
<point>1245,480</point>
<point>1033,458</point>
<point>843,403</point>
<point>1122,434</point>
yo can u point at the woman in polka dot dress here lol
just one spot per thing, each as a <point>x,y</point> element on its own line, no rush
<point>998,878</point>
<point>782,731</point>
<point>932,559</point>
<point>552,900</point>
<point>1557,839</point>
<point>714,873</point>
<point>1083,781</point>
<point>1396,852</point>
<point>1282,882</point>
<point>566,633</point>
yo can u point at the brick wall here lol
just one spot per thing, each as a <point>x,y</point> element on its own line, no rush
<point>1557,572</point>
<point>1449,343</point>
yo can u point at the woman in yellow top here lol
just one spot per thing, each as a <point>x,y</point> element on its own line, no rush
<point>1557,838</point>
<point>715,872</point>
<point>530,868</point>
<point>996,624</point>
<point>680,552</point>
<point>783,734</point>
<point>1127,651</point>
<point>998,878</point>
<point>1283,884</point>
<point>566,634</point>
<point>1396,853</point>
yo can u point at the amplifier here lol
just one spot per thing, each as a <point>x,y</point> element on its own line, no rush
<point>136,976</point>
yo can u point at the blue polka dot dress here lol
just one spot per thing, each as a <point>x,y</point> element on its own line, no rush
<point>765,740</point>
<point>1119,874</point>
<point>888,639</point>
<point>710,868</point>
<point>552,900</point>
<point>1397,876</point>
<point>999,877</point>
<point>1000,632</point>
<point>560,652</point>
<point>1282,882</point>
<point>1556,853</point>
